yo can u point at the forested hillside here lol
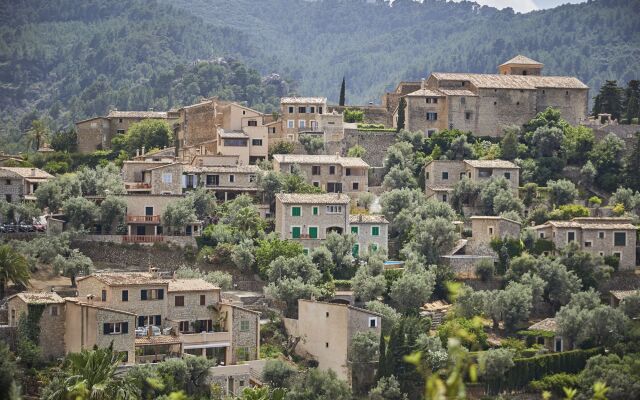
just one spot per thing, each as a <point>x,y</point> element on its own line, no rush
<point>375,45</point>
<point>64,60</point>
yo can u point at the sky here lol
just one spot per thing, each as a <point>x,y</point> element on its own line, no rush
<point>526,5</point>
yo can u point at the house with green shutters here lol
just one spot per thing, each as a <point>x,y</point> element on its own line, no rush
<point>309,218</point>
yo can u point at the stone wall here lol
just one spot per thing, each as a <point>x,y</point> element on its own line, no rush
<point>372,114</point>
<point>375,144</point>
<point>9,335</point>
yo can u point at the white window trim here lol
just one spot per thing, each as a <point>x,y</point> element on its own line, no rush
<point>302,123</point>
<point>168,175</point>
<point>291,232</point>
<point>291,124</point>
<point>375,226</point>
<point>375,322</point>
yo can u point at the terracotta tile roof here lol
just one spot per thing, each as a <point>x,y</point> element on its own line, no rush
<point>548,325</point>
<point>522,60</point>
<point>438,305</point>
<point>190,285</point>
<point>367,219</point>
<point>233,135</point>
<point>496,218</point>
<point>621,294</point>
<point>609,226</point>
<point>40,297</point>
<point>127,278</point>
<point>325,198</point>
<point>426,93</point>
<point>528,82</point>
<point>491,164</point>
<point>436,188</point>
<point>303,100</point>
<point>34,173</point>
<point>458,92</point>
<point>590,225</point>
<point>320,159</point>
<point>158,339</point>
<point>96,306</point>
<point>137,114</point>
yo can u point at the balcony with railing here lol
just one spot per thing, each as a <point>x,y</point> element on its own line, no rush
<point>143,238</point>
<point>143,219</point>
<point>141,186</point>
<point>205,337</point>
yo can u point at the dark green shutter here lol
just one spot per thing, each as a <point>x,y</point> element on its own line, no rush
<point>125,327</point>
<point>160,294</point>
<point>106,329</point>
<point>143,294</point>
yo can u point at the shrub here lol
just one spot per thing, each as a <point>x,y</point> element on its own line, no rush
<point>485,270</point>
<point>612,261</point>
<point>353,115</point>
<point>555,383</point>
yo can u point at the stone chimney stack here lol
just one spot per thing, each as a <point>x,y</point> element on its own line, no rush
<point>154,272</point>
<point>33,172</point>
<point>423,83</point>
<point>137,152</point>
<point>142,151</point>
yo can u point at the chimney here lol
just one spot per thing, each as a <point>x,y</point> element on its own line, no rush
<point>422,83</point>
<point>137,152</point>
<point>151,109</point>
<point>153,271</point>
<point>142,150</point>
<point>33,172</point>
<point>90,298</point>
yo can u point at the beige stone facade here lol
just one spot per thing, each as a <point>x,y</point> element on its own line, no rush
<point>97,133</point>
<point>371,232</point>
<point>192,317</point>
<point>486,228</point>
<point>331,173</point>
<point>485,104</point>
<point>598,236</point>
<point>300,114</point>
<point>18,184</point>
<point>442,175</point>
<point>326,330</point>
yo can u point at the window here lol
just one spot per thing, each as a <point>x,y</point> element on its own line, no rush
<point>120,131</point>
<point>244,112</point>
<point>204,325</point>
<point>301,123</point>
<point>235,142</point>
<point>444,198</point>
<point>291,110</point>
<point>203,299</point>
<point>315,170</point>
<point>252,123</point>
<point>115,328</point>
<point>431,116</point>
<point>272,130</point>
<point>354,230</point>
<point>373,322</point>
<point>375,231</point>
<point>463,100</point>
<point>326,345</point>
<point>167,177</point>
<point>332,170</point>
<point>252,178</point>
<point>373,248</point>
<point>495,103</point>
<point>616,254</point>
<point>319,110</point>
<point>356,186</point>
<point>232,178</point>
<point>558,345</point>
<point>355,250</point>
<point>295,232</point>
<point>587,244</point>
<point>445,175</point>
<point>7,182</point>
<point>302,110</point>
<point>104,295</point>
<point>427,175</point>
<point>432,100</point>
<point>316,183</point>
<point>326,314</point>
<point>600,235</point>
<point>334,187</point>
<point>183,326</point>
<point>244,325</point>
<point>507,175</point>
<point>348,172</point>
<point>291,123</point>
<point>541,235</point>
<point>296,212</point>
<point>334,209</point>
<point>316,210</point>
<point>256,142</point>
<point>151,294</point>
<point>119,120</point>
<point>467,115</point>
<point>571,236</point>
<point>241,383</point>
<point>125,295</point>
<point>179,301</point>
<point>312,110</point>
<point>242,354</point>
<point>146,320</point>
<point>619,238</point>
<point>430,132</point>
<point>485,172</point>
<point>313,232</point>
<point>54,311</point>
<point>491,230</point>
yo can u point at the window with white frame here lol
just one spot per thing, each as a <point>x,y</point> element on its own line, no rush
<point>301,123</point>
<point>167,177</point>
<point>334,209</point>
<point>373,322</point>
<point>291,123</point>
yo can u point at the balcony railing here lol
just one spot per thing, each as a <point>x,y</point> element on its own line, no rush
<point>205,337</point>
<point>137,185</point>
<point>141,219</point>
<point>142,238</point>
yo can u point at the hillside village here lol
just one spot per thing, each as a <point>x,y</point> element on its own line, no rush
<point>482,227</point>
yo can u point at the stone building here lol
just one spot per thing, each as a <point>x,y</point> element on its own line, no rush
<point>486,228</point>
<point>485,104</point>
<point>331,173</point>
<point>18,184</point>
<point>190,315</point>
<point>442,175</point>
<point>309,218</point>
<point>300,114</point>
<point>98,132</point>
<point>326,331</point>
<point>548,336</point>
<point>371,231</point>
<point>598,236</point>
<point>50,307</point>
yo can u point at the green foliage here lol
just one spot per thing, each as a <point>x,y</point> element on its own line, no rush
<point>412,290</point>
<point>281,147</point>
<point>221,279</point>
<point>562,192</point>
<point>13,268</point>
<point>485,270</point>
<point>341,100</point>
<point>178,214</point>
<point>494,363</point>
<point>316,384</point>
<point>387,388</point>
<point>389,315</point>
<point>569,211</point>
<point>313,144</point>
<point>277,372</point>
<point>620,374</point>
<point>474,337</point>
<point>353,115</point>
<point>631,305</point>
<point>356,151</point>
<point>401,114</point>
<point>73,265</point>
<point>555,383</point>
<point>112,213</point>
<point>81,213</point>
<point>270,248</point>
<point>9,388</point>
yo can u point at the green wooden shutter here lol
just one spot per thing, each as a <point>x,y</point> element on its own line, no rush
<point>295,232</point>
<point>354,230</point>
<point>313,232</point>
<point>375,231</point>
<point>295,211</point>
<point>315,210</point>
<point>356,250</point>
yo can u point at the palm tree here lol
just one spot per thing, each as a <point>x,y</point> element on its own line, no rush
<point>13,268</point>
<point>91,375</point>
<point>37,134</point>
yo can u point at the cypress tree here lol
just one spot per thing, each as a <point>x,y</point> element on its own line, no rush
<point>401,108</point>
<point>632,165</point>
<point>342,92</point>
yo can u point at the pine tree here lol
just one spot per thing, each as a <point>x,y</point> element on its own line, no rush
<point>401,108</point>
<point>609,100</point>
<point>632,165</point>
<point>632,101</point>
<point>342,92</point>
